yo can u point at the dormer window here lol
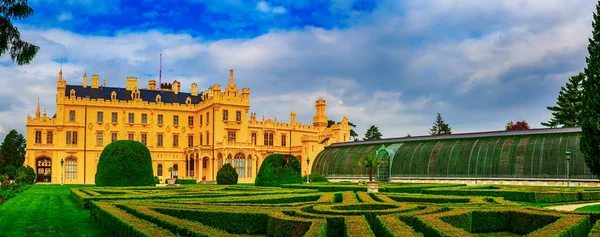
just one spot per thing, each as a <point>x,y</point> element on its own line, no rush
<point>135,94</point>
<point>158,99</point>
<point>113,95</point>
<point>72,93</point>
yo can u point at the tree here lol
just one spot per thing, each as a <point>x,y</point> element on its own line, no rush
<point>440,127</point>
<point>590,114</point>
<point>12,150</point>
<point>171,171</point>
<point>568,104</point>
<point>10,171</point>
<point>353,134</point>
<point>279,169</point>
<point>370,162</point>
<point>10,38</point>
<point>125,163</point>
<point>227,175</point>
<point>520,125</point>
<point>372,134</point>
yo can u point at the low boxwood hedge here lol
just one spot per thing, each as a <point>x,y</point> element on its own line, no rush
<point>186,181</point>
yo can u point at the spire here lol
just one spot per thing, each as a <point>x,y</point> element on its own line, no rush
<point>44,111</point>
<point>37,111</point>
<point>104,83</point>
<point>231,86</point>
<point>60,72</point>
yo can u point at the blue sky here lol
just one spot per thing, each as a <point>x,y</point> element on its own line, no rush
<point>394,64</point>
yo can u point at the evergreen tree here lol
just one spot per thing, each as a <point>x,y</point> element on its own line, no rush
<point>590,114</point>
<point>568,104</point>
<point>372,134</point>
<point>440,127</point>
<point>353,134</point>
<point>10,38</point>
<point>12,150</point>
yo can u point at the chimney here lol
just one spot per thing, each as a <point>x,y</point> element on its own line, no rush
<point>194,89</point>
<point>84,80</point>
<point>131,83</point>
<point>176,87</point>
<point>95,81</point>
<point>152,85</point>
<point>293,118</point>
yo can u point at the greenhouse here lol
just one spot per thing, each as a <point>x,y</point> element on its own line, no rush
<point>535,154</point>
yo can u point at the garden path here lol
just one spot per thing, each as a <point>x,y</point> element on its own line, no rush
<point>572,207</point>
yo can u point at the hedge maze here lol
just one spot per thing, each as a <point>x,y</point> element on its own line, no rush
<point>211,210</point>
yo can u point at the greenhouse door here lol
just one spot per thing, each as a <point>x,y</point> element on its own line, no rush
<point>383,171</point>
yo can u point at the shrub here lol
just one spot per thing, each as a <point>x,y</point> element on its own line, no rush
<point>316,178</point>
<point>187,181</point>
<point>7,194</point>
<point>227,175</point>
<point>125,163</point>
<point>279,169</point>
<point>11,171</point>
<point>156,180</point>
<point>25,175</point>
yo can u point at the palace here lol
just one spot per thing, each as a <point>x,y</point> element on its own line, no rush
<point>195,133</point>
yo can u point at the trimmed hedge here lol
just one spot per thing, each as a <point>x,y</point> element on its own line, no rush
<point>185,181</point>
<point>279,169</point>
<point>227,175</point>
<point>237,223</point>
<point>125,163</point>
<point>120,223</point>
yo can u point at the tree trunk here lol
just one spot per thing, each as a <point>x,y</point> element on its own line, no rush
<point>371,174</point>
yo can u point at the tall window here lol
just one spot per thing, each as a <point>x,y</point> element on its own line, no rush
<point>207,138</point>
<point>160,119</point>
<point>238,163</point>
<point>115,117</point>
<point>201,141</point>
<point>99,139</point>
<point>200,120</point>
<point>283,140</point>
<point>225,115</point>
<point>176,120</point>
<point>144,119</point>
<point>253,138</point>
<point>190,140</point>
<point>238,116</point>
<point>113,137</point>
<point>205,162</point>
<point>100,117</point>
<point>190,121</point>
<point>159,170</point>
<point>130,136</point>
<point>175,140</point>
<point>72,115</point>
<point>71,168</point>
<point>249,173</point>
<point>72,138</point>
<point>231,136</point>
<point>207,117</point>
<point>159,140</point>
<point>38,137</point>
<point>49,137</point>
<point>144,139</point>
<point>268,139</point>
<point>131,117</point>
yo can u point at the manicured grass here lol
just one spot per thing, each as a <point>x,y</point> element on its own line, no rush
<point>593,208</point>
<point>46,210</point>
<point>545,204</point>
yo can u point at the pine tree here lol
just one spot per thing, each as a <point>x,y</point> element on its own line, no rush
<point>12,150</point>
<point>590,114</point>
<point>10,38</point>
<point>568,104</point>
<point>440,127</point>
<point>372,134</point>
<point>353,134</point>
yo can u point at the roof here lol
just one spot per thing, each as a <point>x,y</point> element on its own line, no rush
<point>538,131</point>
<point>123,94</point>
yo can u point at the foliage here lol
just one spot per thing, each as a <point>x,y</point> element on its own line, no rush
<point>25,175</point>
<point>568,106</point>
<point>171,170</point>
<point>10,39</point>
<point>372,134</point>
<point>315,178</point>
<point>520,125</point>
<point>353,133</point>
<point>590,114</point>
<point>227,175</point>
<point>279,169</point>
<point>440,127</point>
<point>370,162</point>
<point>125,163</point>
<point>408,135</point>
<point>12,150</point>
<point>10,171</point>
<point>185,181</point>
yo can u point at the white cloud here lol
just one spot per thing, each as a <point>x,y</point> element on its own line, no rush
<point>65,16</point>
<point>267,8</point>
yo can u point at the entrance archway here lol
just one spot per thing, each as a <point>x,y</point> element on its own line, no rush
<point>43,169</point>
<point>383,170</point>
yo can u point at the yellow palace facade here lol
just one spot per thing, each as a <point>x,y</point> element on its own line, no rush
<point>195,133</point>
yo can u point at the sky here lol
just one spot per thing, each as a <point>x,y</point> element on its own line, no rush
<point>393,64</point>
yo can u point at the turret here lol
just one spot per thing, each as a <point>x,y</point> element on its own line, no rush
<point>84,80</point>
<point>176,87</point>
<point>95,81</point>
<point>37,111</point>
<point>320,120</point>
<point>194,90</point>
<point>152,84</point>
<point>131,83</point>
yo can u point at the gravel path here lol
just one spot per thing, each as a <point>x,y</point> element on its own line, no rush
<point>572,207</point>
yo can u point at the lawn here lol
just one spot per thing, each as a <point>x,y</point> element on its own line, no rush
<point>46,210</point>
<point>593,208</point>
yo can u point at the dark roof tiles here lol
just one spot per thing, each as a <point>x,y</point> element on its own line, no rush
<point>122,94</point>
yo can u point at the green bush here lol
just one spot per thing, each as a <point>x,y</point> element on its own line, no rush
<point>279,169</point>
<point>125,163</point>
<point>7,194</point>
<point>315,178</point>
<point>156,180</point>
<point>227,175</point>
<point>187,181</point>
<point>25,175</point>
<point>11,171</point>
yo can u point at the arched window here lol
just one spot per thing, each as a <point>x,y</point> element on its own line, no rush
<point>229,159</point>
<point>249,173</point>
<point>71,168</point>
<point>159,171</point>
<point>238,163</point>
<point>175,170</point>
<point>220,161</point>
